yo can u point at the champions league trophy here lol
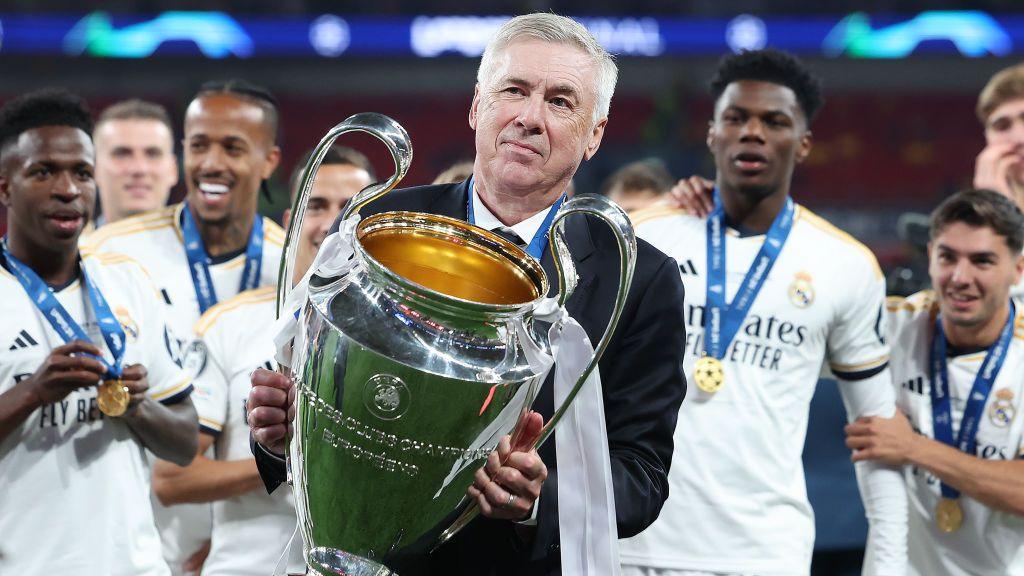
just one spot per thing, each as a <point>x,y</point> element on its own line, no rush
<point>411,359</point>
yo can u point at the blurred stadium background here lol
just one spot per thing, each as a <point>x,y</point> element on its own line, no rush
<point>896,135</point>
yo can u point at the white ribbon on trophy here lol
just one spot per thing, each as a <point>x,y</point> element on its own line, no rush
<point>588,533</point>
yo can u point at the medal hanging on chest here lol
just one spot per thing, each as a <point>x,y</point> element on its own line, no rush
<point>112,395</point>
<point>949,515</point>
<point>723,320</point>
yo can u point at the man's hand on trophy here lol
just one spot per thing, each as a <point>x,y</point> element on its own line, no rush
<point>271,409</point>
<point>507,487</point>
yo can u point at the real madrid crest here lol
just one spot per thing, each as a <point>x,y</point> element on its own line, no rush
<point>131,329</point>
<point>801,291</point>
<point>1002,410</point>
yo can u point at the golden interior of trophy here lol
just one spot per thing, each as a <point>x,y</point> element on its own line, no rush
<point>452,257</point>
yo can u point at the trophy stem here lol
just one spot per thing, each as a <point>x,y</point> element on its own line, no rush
<point>331,562</point>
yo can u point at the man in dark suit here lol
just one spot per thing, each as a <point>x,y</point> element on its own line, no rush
<point>539,109</point>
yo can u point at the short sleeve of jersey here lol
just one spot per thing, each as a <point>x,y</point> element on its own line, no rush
<point>857,344</point>
<point>168,383</point>
<point>210,396</point>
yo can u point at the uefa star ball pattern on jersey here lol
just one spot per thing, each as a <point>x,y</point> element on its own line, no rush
<point>233,339</point>
<point>737,470</point>
<point>989,541</point>
<point>156,240</point>
<point>75,483</point>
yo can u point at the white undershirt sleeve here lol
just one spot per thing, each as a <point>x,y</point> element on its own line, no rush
<point>881,487</point>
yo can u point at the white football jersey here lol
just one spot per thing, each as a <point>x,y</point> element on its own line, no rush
<point>737,499</point>
<point>989,541</point>
<point>74,484</point>
<point>234,338</point>
<point>155,240</point>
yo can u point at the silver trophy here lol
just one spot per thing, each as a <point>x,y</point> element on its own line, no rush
<point>412,364</point>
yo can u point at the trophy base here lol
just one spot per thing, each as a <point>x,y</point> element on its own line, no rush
<point>331,562</point>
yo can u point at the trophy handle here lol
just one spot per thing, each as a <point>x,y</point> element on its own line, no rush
<point>380,127</point>
<point>616,219</point>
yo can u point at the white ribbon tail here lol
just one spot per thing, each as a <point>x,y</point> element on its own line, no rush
<point>587,527</point>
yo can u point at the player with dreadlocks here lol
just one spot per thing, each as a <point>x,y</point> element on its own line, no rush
<point>208,248</point>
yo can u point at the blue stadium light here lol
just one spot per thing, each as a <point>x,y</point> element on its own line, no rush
<point>219,35</point>
<point>974,34</point>
<point>215,34</point>
<point>746,32</point>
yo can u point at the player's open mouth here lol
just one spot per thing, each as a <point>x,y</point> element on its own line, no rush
<point>961,300</point>
<point>67,221</point>
<point>213,189</point>
<point>750,162</point>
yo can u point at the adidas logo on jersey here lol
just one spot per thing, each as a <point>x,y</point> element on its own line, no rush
<point>24,340</point>
<point>687,268</point>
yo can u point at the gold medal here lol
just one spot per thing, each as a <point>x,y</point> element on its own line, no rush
<point>709,374</point>
<point>113,398</point>
<point>948,515</point>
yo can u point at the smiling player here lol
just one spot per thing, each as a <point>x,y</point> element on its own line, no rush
<point>213,245</point>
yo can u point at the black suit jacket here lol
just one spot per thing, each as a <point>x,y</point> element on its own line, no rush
<point>643,386</point>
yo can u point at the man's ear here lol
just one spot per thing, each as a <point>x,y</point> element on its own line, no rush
<point>710,139</point>
<point>273,159</point>
<point>286,219</point>
<point>1020,269</point>
<point>473,105</point>
<point>596,135</point>
<point>5,190</point>
<point>804,149</point>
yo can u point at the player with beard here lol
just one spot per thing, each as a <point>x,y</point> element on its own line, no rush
<point>958,355</point>
<point>86,383</point>
<point>210,247</point>
<point>232,339</point>
<point>774,290</point>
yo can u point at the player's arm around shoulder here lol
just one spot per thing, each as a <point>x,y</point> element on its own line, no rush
<point>644,387</point>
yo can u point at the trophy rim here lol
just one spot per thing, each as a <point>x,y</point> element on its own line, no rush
<point>431,222</point>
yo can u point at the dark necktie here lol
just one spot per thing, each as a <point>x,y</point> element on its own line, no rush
<point>510,235</point>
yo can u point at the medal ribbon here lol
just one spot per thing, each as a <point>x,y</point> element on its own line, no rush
<point>724,320</point>
<point>62,322</point>
<point>942,418</point>
<point>199,260</point>
<point>540,239</point>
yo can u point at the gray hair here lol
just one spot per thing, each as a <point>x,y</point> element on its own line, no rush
<point>557,30</point>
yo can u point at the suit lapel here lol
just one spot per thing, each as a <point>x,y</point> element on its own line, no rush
<point>451,202</point>
<point>581,246</point>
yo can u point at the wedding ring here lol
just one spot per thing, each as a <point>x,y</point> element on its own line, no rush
<point>511,499</point>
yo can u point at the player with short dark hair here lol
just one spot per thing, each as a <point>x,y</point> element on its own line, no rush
<point>208,248</point>
<point>958,356</point>
<point>87,383</point>
<point>773,292</point>
<point>342,174</point>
